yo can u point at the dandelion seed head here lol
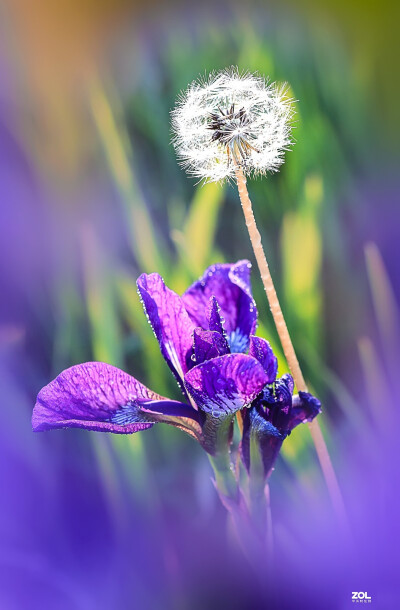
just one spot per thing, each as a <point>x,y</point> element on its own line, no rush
<point>232,119</point>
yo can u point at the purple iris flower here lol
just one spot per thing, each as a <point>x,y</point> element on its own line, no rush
<point>203,335</point>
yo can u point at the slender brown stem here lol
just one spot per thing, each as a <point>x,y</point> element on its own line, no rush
<point>287,345</point>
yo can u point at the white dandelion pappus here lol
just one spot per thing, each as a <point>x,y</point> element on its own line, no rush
<point>232,120</point>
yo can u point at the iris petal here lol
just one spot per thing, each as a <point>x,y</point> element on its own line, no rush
<point>261,441</point>
<point>226,384</point>
<point>304,408</point>
<point>169,320</point>
<point>208,344</point>
<point>215,321</point>
<point>96,396</point>
<point>262,351</point>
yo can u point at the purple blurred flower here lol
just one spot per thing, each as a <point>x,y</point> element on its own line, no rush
<point>203,336</point>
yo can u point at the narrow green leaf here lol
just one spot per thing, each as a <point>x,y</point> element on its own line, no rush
<point>197,238</point>
<point>143,240</point>
<point>100,299</point>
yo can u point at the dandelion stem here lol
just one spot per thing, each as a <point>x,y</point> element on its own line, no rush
<point>287,345</point>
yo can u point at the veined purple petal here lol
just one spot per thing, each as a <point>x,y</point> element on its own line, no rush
<point>95,396</point>
<point>226,384</point>
<point>169,320</point>
<point>230,285</point>
<point>208,344</point>
<point>304,408</point>
<point>262,351</point>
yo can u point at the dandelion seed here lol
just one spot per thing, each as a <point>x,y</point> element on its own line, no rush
<point>232,120</point>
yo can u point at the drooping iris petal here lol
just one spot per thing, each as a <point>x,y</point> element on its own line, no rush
<point>95,396</point>
<point>208,344</point>
<point>226,384</point>
<point>230,285</point>
<point>275,403</point>
<point>261,442</point>
<point>304,408</point>
<point>169,320</point>
<point>262,351</point>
